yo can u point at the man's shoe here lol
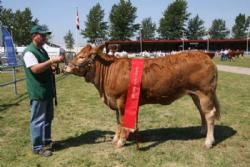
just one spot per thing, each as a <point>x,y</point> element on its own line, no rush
<point>43,152</point>
<point>54,146</point>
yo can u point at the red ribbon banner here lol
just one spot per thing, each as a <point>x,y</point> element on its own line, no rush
<point>131,106</point>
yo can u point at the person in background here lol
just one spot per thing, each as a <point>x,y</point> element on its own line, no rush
<point>41,90</point>
<point>226,51</point>
<point>221,55</point>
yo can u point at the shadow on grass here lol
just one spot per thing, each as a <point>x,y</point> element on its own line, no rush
<point>91,137</point>
<point>15,102</point>
<point>158,136</point>
<point>155,136</point>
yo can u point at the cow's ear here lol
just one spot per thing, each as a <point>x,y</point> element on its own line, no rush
<point>99,49</point>
<point>106,57</point>
<point>88,47</point>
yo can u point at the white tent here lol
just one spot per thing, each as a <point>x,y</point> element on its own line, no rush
<point>53,51</point>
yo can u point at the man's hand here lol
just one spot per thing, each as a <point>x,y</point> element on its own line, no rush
<point>55,63</point>
<point>57,59</point>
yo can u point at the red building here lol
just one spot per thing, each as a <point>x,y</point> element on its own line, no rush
<point>170,45</point>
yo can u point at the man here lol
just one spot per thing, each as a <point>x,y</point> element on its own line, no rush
<point>40,87</point>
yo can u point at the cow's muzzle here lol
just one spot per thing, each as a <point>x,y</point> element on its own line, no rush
<point>67,69</point>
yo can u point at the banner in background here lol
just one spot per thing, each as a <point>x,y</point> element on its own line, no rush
<point>9,49</point>
<point>1,35</point>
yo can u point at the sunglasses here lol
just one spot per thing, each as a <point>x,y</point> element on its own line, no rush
<point>43,35</point>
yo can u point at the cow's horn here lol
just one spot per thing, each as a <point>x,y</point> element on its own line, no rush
<point>100,48</point>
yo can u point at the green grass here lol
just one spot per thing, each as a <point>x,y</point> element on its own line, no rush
<point>241,62</point>
<point>169,134</point>
<point>7,74</point>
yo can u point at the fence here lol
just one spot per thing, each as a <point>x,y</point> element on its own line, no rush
<point>11,70</point>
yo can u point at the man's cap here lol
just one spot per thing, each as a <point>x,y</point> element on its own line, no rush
<point>40,30</point>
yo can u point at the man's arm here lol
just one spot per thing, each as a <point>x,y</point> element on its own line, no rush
<point>41,67</point>
<point>32,63</point>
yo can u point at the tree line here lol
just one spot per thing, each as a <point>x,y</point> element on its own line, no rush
<point>19,24</point>
<point>175,23</point>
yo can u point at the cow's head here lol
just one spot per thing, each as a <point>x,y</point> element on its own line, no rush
<point>83,62</point>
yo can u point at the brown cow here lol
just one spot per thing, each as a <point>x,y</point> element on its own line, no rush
<point>236,53</point>
<point>164,80</point>
<point>211,54</point>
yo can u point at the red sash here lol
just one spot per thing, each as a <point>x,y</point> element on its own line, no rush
<point>131,107</point>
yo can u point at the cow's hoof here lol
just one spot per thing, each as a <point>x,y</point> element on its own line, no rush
<point>115,140</point>
<point>209,144</point>
<point>120,143</point>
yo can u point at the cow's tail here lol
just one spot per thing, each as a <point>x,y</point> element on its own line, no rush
<point>217,107</point>
<point>215,99</point>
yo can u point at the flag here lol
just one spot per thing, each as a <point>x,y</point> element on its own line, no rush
<point>9,49</point>
<point>77,21</point>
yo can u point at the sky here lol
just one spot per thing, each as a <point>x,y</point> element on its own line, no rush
<point>60,15</point>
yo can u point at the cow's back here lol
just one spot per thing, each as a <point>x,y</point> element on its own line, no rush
<point>166,79</point>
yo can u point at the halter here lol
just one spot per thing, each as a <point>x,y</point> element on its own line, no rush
<point>88,62</point>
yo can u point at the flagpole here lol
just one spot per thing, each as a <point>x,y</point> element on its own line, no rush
<point>77,19</point>
<point>141,40</point>
<point>76,41</point>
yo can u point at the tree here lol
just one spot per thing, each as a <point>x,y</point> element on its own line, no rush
<point>172,24</point>
<point>19,23</point>
<point>218,29</point>
<point>240,27</point>
<point>69,40</point>
<point>148,29</point>
<point>22,25</point>
<point>195,28</point>
<point>1,6</point>
<point>96,28</point>
<point>122,18</point>
<point>7,17</point>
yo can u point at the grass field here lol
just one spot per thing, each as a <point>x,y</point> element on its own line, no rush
<point>241,62</point>
<point>169,134</point>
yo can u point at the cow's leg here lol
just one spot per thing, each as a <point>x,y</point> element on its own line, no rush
<point>117,134</point>
<point>123,137</point>
<point>118,128</point>
<point>209,106</point>
<point>122,133</point>
<point>203,120</point>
